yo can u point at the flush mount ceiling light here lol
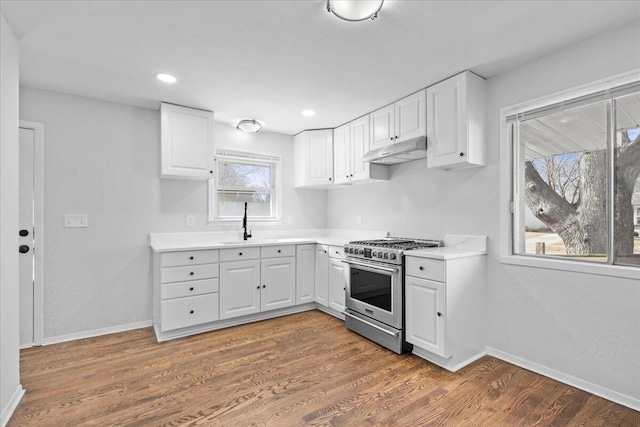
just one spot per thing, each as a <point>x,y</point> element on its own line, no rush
<point>355,10</point>
<point>167,78</point>
<point>249,126</point>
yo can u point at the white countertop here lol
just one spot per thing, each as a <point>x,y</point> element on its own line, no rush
<point>455,246</point>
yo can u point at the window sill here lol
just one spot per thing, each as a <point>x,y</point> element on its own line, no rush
<point>620,271</point>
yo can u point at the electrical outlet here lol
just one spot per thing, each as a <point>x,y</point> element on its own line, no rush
<point>190,220</point>
<point>76,221</point>
<point>359,219</point>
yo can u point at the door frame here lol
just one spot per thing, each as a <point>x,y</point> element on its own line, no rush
<point>38,224</point>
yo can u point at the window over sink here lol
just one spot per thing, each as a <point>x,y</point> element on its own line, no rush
<point>245,178</point>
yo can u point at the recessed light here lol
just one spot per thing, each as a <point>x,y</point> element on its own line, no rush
<point>308,113</point>
<point>167,78</point>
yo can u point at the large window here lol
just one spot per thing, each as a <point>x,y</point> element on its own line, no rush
<point>244,178</point>
<point>577,178</point>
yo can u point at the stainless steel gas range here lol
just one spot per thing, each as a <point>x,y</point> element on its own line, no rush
<point>375,292</point>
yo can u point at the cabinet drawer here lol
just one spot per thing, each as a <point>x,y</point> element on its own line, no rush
<point>277,251</point>
<point>183,312</point>
<point>189,272</point>
<point>425,268</point>
<point>173,259</point>
<point>336,252</point>
<point>188,289</point>
<point>239,254</point>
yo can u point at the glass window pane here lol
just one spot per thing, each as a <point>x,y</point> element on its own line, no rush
<point>240,175</point>
<point>231,204</point>
<point>627,180</point>
<point>562,184</point>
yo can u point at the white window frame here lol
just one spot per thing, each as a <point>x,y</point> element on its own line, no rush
<point>507,185</point>
<point>247,158</point>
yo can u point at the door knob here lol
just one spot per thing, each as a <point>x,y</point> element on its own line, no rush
<point>23,249</point>
<point>23,233</point>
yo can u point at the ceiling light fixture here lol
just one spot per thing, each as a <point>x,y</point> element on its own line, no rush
<point>308,113</point>
<point>355,10</point>
<point>167,78</point>
<point>249,126</point>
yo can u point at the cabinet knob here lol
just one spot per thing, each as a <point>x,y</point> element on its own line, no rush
<point>211,172</point>
<point>190,289</point>
<point>461,154</point>
<point>351,175</point>
<point>240,254</point>
<point>258,287</point>
<point>23,233</point>
<point>421,268</point>
<point>439,314</point>
<point>264,286</point>
<point>279,251</point>
<point>191,312</point>
<point>191,258</point>
<point>329,179</point>
<point>191,273</point>
<point>344,289</point>
<point>23,249</point>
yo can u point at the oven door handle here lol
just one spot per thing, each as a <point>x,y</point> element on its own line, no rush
<point>393,334</point>
<point>370,267</point>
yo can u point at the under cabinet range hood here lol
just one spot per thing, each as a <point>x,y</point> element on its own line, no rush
<point>401,152</point>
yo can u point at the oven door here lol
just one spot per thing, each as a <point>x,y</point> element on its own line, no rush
<point>375,290</point>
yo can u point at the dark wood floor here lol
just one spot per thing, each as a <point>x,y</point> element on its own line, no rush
<point>303,369</point>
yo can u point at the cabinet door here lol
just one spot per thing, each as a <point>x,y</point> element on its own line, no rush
<point>187,142</point>
<point>446,122</point>
<point>425,316</point>
<point>359,147</point>
<point>305,271</point>
<point>381,127</point>
<point>342,154</point>
<point>411,117</point>
<point>239,288</point>
<point>337,284</point>
<point>322,275</point>
<point>320,158</point>
<point>278,283</point>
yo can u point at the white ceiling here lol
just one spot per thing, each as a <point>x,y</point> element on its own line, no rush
<point>271,59</point>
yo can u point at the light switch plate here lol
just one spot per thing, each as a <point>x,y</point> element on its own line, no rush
<point>76,221</point>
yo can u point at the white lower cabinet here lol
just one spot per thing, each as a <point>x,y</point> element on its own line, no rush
<point>322,275</point>
<point>239,288</point>
<point>183,312</point>
<point>278,277</point>
<point>444,309</point>
<point>337,284</point>
<point>305,273</point>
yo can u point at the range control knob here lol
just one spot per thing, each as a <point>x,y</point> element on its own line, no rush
<point>360,251</point>
<point>385,255</point>
<point>392,256</point>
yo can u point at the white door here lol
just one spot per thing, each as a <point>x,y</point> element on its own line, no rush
<point>278,277</point>
<point>425,316</point>
<point>320,157</point>
<point>381,127</point>
<point>337,284</point>
<point>342,154</point>
<point>239,288</point>
<point>305,270</point>
<point>26,233</point>
<point>322,275</point>
<point>359,147</point>
<point>411,117</point>
<point>446,131</point>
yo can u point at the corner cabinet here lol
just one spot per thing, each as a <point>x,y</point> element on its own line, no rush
<point>401,121</point>
<point>445,309</point>
<point>350,142</point>
<point>313,159</point>
<point>187,145</point>
<point>455,122</point>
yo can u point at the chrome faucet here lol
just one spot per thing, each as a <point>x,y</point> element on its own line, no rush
<point>244,224</point>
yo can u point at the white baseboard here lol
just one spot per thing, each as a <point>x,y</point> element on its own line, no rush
<point>96,332</point>
<point>446,363</point>
<point>605,393</point>
<point>11,406</point>
<point>330,311</point>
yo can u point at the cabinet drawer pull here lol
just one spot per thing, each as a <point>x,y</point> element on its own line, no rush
<point>439,314</point>
<point>421,268</point>
<point>258,287</point>
<point>191,258</point>
<point>279,251</point>
<point>191,312</point>
<point>264,286</point>
<point>191,289</point>
<point>240,254</point>
<point>191,274</point>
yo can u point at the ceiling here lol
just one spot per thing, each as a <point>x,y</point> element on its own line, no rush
<point>269,60</point>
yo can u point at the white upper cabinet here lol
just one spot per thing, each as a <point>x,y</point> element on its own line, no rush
<point>455,122</point>
<point>351,142</point>
<point>313,154</point>
<point>187,142</point>
<point>342,154</point>
<point>404,120</point>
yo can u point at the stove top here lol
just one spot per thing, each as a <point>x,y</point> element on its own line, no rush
<point>388,250</point>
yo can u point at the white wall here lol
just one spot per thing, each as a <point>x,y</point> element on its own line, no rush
<point>103,159</point>
<point>587,327</point>
<point>10,388</point>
